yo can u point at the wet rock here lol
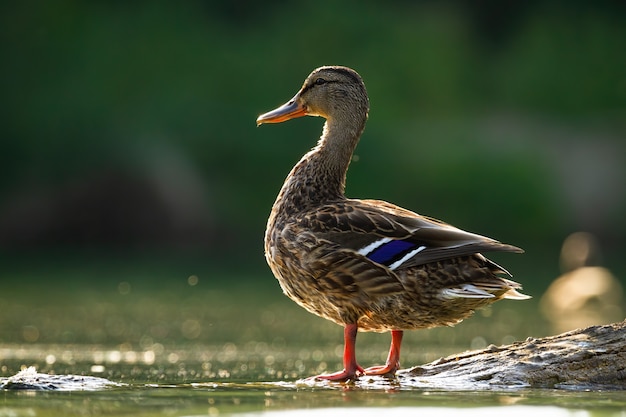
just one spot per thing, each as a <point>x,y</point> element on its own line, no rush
<point>590,358</point>
<point>30,379</point>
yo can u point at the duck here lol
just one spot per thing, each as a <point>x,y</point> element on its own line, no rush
<point>368,265</point>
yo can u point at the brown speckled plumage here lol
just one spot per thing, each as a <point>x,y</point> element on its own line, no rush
<point>368,264</point>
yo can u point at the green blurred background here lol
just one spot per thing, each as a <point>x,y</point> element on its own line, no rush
<point>128,129</point>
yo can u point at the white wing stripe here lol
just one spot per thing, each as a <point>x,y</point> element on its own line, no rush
<point>366,250</point>
<point>406,257</point>
<point>465,291</point>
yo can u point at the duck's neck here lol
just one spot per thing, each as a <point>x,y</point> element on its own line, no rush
<point>320,176</point>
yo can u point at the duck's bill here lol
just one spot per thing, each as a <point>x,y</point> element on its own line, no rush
<point>289,110</point>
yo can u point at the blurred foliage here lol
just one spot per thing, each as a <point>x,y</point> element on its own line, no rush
<point>130,125</point>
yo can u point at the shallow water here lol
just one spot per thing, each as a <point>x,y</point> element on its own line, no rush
<point>208,345</point>
<point>278,399</point>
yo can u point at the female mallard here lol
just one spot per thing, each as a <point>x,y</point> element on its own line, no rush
<point>367,264</point>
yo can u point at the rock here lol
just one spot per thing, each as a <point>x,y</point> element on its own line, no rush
<point>590,358</point>
<point>30,379</point>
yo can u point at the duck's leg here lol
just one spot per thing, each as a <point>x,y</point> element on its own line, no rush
<point>351,369</point>
<point>393,360</point>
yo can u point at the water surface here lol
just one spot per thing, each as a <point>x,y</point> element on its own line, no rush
<point>209,343</point>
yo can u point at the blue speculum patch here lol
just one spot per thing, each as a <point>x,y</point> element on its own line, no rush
<point>390,250</point>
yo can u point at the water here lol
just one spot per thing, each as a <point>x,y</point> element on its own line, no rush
<point>288,399</point>
<point>212,344</point>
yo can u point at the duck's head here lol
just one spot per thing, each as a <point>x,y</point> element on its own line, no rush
<point>332,92</point>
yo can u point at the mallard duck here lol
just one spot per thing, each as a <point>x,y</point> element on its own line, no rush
<point>368,265</point>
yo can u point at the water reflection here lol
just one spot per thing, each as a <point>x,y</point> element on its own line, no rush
<point>511,411</point>
<point>280,399</point>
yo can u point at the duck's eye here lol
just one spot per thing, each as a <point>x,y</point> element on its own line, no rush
<point>320,81</point>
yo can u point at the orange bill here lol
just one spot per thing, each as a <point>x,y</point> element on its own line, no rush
<point>289,110</point>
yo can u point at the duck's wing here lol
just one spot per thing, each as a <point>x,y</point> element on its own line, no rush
<point>394,237</point>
